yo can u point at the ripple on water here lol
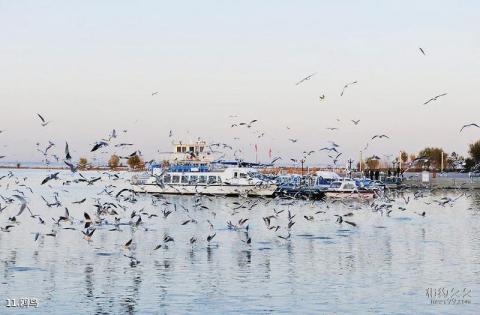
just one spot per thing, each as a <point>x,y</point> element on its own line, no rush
<point>22,269</point>
<point>104,254</point>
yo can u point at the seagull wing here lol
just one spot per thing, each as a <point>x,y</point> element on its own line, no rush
<point>41,118</point>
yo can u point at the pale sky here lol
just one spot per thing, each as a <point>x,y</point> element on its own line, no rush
<point>91,66</point>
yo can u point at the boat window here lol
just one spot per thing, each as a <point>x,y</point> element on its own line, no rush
<point>167,178</point>
<point>193,179</point>
<point>175,179</point>
<point>235,175</point>
<point>212,179</point>
<point>219,179</point>
<point>202,179</point>
<point>349,186</point>
<point>335,185</point>
<point>243,175</point>
<point>184,179</point>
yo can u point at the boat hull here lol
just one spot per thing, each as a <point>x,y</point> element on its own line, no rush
<point>228,190</point>
<point>349,194</point>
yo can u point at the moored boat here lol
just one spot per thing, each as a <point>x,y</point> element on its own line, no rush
<point>201,179</point>
<point>348,189</point>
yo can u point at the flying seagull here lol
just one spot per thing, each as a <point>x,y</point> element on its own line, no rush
<point>154,93</point>
<point>44,122</point>
<point>50,177</point>
<point>98,145</point>
<point>421,50</point>
<point>469,125</point>
<point>434,98</point>
<point>355,122</point>
<point>346,86</point>
<point>306,78</point>
<point>380,136</point>
<point>67,152</point>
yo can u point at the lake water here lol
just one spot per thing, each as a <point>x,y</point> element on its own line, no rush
<point>386,264</point>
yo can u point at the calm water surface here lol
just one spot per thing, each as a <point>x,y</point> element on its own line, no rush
<point>382,266</point>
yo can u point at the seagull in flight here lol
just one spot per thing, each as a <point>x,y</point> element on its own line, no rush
<point>346,86</point>
<point>306,78</point>
<point>380,136</point>
<point>469,125</point>
<point>434,98</point>
<point>355,122</point>
<point>422,50</point>
<point>322,97</point>
<point>155,93</point>
<point>44,122</point>
<point>98,145</point>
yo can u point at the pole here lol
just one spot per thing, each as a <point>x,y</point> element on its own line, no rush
<point>400,161</point>
<point>441,163</point>
<point>301,178</point>
<point>350,167</point>
<point>361,160</point>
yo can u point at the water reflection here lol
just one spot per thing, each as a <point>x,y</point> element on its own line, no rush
<point>324,267</point>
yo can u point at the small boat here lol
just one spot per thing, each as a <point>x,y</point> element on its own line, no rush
<point>347,188</point>
<point>201,179</point>
<point>323,179</point>
<point>296,186</point>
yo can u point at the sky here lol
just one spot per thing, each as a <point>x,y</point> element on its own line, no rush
<point>91,66</point>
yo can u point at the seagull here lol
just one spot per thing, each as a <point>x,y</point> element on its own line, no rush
<point>67,152</point>
<point>50,177</point>
<point>380,136</point>
<point>23,204</point>
<point>98,145</point>
<point>421,50</point>
<point>434,98</point>
<point>293,140</point>
<point>154,93</point>
<point>469,125</point>
<point>72,168</point>
<point>322,97</point>
<point>44,122</point>
<point>346,86</point>
<point>355,122</point>
<point>306,78</point>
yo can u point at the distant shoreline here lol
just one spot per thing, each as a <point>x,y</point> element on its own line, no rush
<point>96,168</point>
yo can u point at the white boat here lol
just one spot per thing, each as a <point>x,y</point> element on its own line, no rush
<point>232,181</point>
<point>324,179</point>
<point>347,188</point>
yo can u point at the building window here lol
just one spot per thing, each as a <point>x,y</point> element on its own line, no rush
<point>179,149</point>
<point>190,149</point>
<point>184,149</point>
